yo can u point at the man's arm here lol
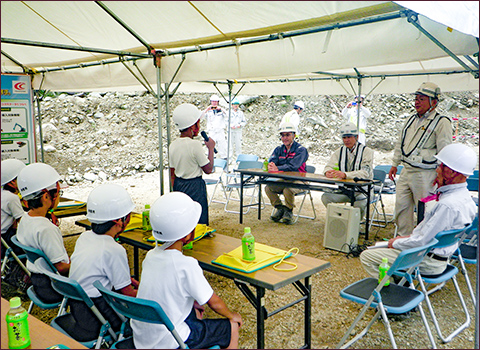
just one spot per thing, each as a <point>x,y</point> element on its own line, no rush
<point>443,133</point>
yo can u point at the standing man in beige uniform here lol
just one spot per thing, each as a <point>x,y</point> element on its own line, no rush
<point>422,137</point>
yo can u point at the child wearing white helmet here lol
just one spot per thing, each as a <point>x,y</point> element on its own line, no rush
<point>39,186</point>
<point>176,282</point>
<point>12,209</point>
<point>97,256</point>
<point>455,209</point>
<point>187,158</point>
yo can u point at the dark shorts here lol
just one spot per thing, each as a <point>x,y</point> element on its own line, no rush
<point>197,190</point>
<point>208,332</point>
<point>43,288</point>
<point>86,319</point>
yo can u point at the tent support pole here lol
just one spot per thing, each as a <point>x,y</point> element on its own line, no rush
<point>40,131</point>
<point>157,62</point>
<point>359,79</point>
<point>167,114</point>
<point>412,18</point>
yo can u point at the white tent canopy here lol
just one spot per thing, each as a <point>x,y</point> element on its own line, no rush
<point>275,47</point>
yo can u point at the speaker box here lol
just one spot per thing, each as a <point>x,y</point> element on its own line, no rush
<point>341,227</point>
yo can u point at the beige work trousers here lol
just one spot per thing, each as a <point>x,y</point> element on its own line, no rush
<point>372,258</point>
<point>412,185</point>
<point>274,190</point>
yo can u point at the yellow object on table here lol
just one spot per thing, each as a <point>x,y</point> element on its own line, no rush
<point>135,222</point>
<point>264,256</point>
<point>201,230</point>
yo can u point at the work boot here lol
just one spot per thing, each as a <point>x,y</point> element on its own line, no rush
<point>278,214</point>
<point>288,216</point>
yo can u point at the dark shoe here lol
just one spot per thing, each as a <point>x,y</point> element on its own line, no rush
<point>278,214</point>
<point>288,217</point>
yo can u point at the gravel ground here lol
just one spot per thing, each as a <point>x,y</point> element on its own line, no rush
<point>331,315</point>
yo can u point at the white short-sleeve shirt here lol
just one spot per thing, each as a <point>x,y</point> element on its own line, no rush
<point>11,209</point>
<point>188,157</point>
<point>174,281</point>
<point>40,233</point>
<point>99,257</point>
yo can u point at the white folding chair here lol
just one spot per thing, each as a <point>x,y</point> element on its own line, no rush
<point>221,164</point>
<point>235,187</point>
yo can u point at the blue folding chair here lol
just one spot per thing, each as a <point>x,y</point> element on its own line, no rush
<point>394,299</point>
<point>11,256</point>
<point>33,255</point>
<point>66,323</point>
<point>139,309</point>
<point>467,254</point>
<point>445,239</point>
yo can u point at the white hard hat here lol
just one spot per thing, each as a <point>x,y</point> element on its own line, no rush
<point>10,169</point>
<point>299,104</point>
<point>428,89</point>
<point>185,115</point>
<point>36,177</point>
<point>458,157</point>
<point>214,98</point>
<point>173,216</point>
<point>108,202</point>
<point>287,127</point>
<point>348,129</point>
<point>235,101</point>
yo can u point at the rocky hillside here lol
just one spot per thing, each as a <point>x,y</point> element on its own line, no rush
<point>92,136</point>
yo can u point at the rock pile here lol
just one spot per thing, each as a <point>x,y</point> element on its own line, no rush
<point>94,136</point>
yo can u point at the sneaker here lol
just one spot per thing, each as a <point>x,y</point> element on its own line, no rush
<point>278,214</point>
<point>288,217</point>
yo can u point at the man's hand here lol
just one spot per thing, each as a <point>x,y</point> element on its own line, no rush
<point>210,144</point>
<point>335,174</point>
<point>392,173</point>
<point>272,166</point>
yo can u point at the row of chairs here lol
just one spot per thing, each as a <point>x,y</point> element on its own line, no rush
<point>398,298</point>
<point>125,306</point>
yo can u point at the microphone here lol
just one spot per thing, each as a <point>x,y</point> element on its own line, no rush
<point>206,138</point>
<point>356,179</point>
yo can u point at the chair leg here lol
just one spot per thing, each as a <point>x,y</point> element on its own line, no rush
<point>463,326</point>
<point>464,272</point>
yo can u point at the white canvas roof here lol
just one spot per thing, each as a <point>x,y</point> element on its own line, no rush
<point>283,42</point>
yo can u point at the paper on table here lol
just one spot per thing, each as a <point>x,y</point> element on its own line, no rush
<point>382,244</point>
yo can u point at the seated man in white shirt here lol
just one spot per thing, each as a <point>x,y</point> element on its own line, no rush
<point>454,209</point>
<point>349,161</point>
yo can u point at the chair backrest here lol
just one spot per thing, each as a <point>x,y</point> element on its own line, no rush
<point>472,183</point>
<point>379,175</point>
<point>410,257</point>
<point>220,163</point>
<point>310,169</point>
<point>138,309</point>
<point>386,168</point>
<point>250,164</point>
<point>244,157</point>
<point>34,254</point>
<point>64,285</point>
<point>449,237</point>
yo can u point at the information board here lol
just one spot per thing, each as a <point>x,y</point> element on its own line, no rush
<point>18,133</point>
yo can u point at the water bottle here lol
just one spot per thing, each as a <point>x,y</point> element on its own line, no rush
<point>248,245</point>
<point>17,325</point>
<point>189,245</point>
<point>265,165</point>
<point>382,270</point>
<point>336,167</point>
<point>146,218</point>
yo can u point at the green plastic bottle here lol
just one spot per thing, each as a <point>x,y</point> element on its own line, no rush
<point>188,245</point>
<point>146,218</point>
<point>248,245</point>
<point>336,167</point>
<point>17,325</point>
<point>265,165</point>
<point>382,270</point>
